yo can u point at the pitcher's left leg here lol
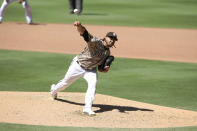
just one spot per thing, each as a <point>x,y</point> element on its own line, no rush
<point>91,78</point>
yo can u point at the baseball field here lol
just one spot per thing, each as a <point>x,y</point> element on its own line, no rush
<point>151,86</point>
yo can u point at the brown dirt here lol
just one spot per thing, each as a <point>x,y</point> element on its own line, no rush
<point>147,43</point>
<point>39,109</point>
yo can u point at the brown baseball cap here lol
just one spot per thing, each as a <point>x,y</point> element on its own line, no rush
<point>112,35</point>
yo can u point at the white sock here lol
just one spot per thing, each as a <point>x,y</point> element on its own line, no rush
<point>1,19</point>
<point>29,20</point>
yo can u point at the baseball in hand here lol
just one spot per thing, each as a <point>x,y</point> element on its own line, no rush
<point>76,11</point>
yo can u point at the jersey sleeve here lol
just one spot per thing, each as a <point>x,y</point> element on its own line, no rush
<point>87,36</point>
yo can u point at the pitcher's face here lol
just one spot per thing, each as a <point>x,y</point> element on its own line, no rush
<point>109,42</point>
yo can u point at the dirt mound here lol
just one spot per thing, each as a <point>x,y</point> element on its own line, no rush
<point>39,109</point>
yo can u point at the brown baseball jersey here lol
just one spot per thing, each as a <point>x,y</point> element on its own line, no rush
<point>94,53</point>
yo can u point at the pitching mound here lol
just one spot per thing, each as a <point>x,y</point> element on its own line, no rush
<point>37,108</point>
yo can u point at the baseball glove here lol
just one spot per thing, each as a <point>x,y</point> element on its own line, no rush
<point>104,67</point>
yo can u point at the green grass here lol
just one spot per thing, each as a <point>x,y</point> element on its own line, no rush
<point>143,13</point>
<point>20,127</point>
<point>158,82</point>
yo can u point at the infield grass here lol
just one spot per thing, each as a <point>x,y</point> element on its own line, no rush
<point>21,127</point>
<point>157,82</point>
<point>143,13</point>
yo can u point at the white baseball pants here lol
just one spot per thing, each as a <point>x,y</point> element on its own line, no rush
<point>74,72</point>
<point>24,4</point>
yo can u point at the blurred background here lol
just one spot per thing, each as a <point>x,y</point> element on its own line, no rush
<point>143,13</point>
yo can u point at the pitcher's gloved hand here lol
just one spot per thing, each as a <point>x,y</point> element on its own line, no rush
<point>104,67</point>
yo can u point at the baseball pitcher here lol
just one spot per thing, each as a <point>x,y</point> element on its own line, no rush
<point>96,55</point>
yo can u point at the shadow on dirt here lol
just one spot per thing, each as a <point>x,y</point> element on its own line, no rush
<point>104,108</point>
